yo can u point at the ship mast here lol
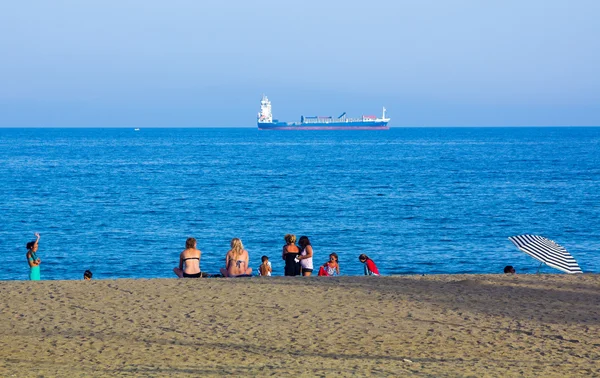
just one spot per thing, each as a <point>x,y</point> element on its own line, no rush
<point>383,119</point>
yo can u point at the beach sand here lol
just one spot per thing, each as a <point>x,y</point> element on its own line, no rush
<point>442,326</point>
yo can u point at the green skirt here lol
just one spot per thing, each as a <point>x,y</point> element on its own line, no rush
<point>34,273</point>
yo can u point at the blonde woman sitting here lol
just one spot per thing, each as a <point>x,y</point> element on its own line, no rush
<point>236,261</point>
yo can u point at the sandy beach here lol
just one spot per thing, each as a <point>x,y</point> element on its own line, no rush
<point>460,325</point>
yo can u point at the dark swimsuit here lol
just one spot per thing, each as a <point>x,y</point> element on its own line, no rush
<point>192,275</point>
<point>195,275</point>
<point>292,268</point>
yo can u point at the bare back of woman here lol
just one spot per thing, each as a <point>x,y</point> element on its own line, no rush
<point>189,261</point>
<point>236,260</point>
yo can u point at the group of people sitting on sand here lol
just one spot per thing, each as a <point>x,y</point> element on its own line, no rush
<point>298,261</point>
<point>236,261</point>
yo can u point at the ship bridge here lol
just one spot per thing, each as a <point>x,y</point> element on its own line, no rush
<point>265,115</point>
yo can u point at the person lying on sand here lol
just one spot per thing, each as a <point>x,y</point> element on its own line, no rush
<point>236,260</point>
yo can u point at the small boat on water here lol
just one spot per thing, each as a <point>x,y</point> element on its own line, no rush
<point>136,129</point>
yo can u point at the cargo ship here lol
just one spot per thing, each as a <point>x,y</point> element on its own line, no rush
<point>265,121</point>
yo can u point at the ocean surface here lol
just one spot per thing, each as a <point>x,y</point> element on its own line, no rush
<point>416,200</point>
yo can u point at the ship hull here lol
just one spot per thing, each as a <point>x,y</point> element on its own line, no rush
<point>324,126</point>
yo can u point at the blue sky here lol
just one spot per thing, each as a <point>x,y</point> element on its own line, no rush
<point>194,63</point>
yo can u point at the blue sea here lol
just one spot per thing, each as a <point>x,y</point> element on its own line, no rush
<point>416,200</point>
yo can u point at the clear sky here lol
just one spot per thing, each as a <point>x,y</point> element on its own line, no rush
<point>194,63</point>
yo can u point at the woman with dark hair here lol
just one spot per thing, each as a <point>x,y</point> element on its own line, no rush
<point>306,256</point>
<point>290,254</point>
<point>32,259</point>
<point>189,261</point>
<point>370,267</point>
<point>509,269</point>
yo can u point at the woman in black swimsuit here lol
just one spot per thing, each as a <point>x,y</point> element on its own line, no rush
<point>290,255</point>
<point>190,257</point>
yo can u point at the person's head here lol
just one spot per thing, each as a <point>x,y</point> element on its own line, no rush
<point>87,275</point>
<point>509,269</point>
<point>363,258</point>
<point>190,243</point>
<point>236,245</point>
<point>290,238</point>
<point>333,257</point>
<point>304,242</point>
<point>32,246</point>
<point>264,259</point>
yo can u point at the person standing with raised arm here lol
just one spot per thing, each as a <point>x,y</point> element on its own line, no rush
<point>32,259</point>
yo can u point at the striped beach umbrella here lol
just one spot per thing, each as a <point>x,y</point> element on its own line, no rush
<point>546,251</point>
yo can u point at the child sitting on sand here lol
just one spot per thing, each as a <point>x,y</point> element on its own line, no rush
<point>265,268</point>
<point>87,275</point>
<point>331,267</point>
<point>370,267</point>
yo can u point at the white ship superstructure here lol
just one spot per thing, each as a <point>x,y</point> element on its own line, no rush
<point>265,115</point>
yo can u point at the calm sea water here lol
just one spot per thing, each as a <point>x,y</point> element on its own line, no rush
<point>417,201</point>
